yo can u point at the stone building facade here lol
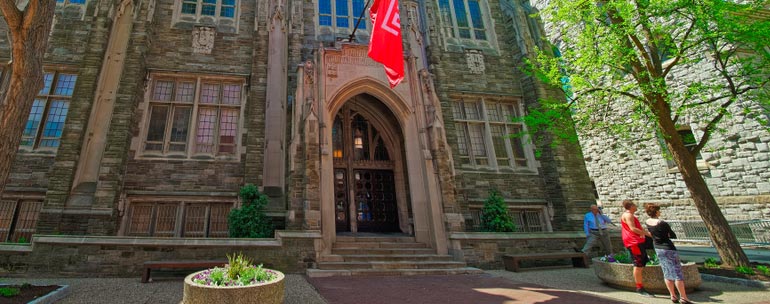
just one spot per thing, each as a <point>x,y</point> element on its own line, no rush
<point>155,112</point>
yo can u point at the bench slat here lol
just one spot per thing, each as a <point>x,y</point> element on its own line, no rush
<point>149,265</point>
<point>511,261</point>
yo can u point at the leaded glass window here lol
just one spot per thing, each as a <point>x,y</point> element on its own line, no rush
<point>345,13</point>
<point>212,8</point>
<point>45,123</point>
<point>484,129</point>
<point>195,116</point>
<point>463,19</point>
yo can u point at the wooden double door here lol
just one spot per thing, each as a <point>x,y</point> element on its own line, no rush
<point>364,183</point>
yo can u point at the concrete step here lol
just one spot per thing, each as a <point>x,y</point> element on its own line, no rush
<point>390,239</point>
<point>392,257</point>
<point>319,273</point>
<point>381,251</point>
<point>391,265</point>
<point>356,245</point>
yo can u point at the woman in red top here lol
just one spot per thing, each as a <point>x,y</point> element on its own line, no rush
<point>633,238</point>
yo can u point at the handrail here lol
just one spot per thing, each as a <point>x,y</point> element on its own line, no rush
<point>748,232</point>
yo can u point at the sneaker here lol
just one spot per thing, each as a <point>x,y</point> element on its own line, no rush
<point>644,293</point>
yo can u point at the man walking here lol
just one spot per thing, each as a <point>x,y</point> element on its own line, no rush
<point>595,226</point>
<point>633,238</point>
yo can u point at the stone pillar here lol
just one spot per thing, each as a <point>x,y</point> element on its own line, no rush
<point>275,109</point>
<point>95,140</point>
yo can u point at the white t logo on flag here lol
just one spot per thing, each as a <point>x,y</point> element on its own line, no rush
<point>392,23</point>
<point>387,48</point>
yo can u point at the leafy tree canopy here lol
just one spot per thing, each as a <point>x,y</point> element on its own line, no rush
<point>622,63</point>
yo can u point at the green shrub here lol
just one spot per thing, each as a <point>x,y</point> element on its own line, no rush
<point>22,240</point>
<point>494,215</point>
<point>9,291</point>
<point>764,270</point>
<point>250,221</point>
<point>745,270</point>
<point>711,263</point>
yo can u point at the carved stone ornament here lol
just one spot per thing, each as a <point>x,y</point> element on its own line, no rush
<point>309,72</point>
<point>203,39</point>
<point>475,61</point>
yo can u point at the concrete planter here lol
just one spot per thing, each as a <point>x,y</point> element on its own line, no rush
<point>622,276</point>
<point>266,293</point>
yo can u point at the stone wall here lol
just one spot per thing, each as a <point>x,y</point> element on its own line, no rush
<point>486,250</point>
<point>289,252</point>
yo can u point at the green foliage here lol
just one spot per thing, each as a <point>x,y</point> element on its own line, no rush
<point>763,270</point>
<point>9,292</point>
<point>250,221</point>
<point>745,270</point>
<point>711,263</point>
<point>494,215</point>
<point>236,264</point>
<point>22,240</point>
<point>653,259</point>
<point>623,257</point>
<point>218,275</point>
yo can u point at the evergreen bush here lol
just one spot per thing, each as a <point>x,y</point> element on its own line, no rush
<point>250,221</point>
<point>494,215</point>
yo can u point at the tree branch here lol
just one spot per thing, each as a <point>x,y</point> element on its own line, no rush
<point>680,50</point>
<point>12,14</point>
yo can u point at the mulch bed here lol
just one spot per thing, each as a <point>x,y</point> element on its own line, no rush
<point>28,293</point>
<point>727,271</point>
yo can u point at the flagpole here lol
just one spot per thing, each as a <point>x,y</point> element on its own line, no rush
<point>352,35</point>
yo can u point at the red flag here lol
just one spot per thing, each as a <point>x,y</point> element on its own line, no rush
<point>385,45</point>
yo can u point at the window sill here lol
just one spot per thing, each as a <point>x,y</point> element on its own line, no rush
<point>38,152</point>
<point>198,158</point>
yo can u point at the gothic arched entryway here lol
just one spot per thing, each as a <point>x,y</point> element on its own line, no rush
<point>366,177</point>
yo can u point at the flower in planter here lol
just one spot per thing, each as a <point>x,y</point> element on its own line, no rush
<point>238,272</point>
<point>624,257</point>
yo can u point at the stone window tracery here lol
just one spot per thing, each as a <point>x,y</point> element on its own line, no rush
<point>342,14</point>
<point>45,124</point>
<point>463,19</point>
<point>483,134</point>
<point>213,8</point>
<point>193,117</point>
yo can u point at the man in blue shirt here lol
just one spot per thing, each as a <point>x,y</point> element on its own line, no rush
<point>595,226</point>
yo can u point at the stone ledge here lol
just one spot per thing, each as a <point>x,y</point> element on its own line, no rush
<point>736,281</point>
<point>150,241</point>
<point>54,296</point>
<point>519,235</point>
<point>15,248</point>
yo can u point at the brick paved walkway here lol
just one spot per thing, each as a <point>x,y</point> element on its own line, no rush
<point>477,289</point>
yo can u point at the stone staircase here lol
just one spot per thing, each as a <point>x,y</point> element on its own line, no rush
<point>385,255</point>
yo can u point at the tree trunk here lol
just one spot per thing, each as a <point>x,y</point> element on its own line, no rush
<point>721,235</point>
<point>28,32</point>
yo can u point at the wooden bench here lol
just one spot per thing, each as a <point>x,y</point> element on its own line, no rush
<point>511,261</point>
<point>149,265</point>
